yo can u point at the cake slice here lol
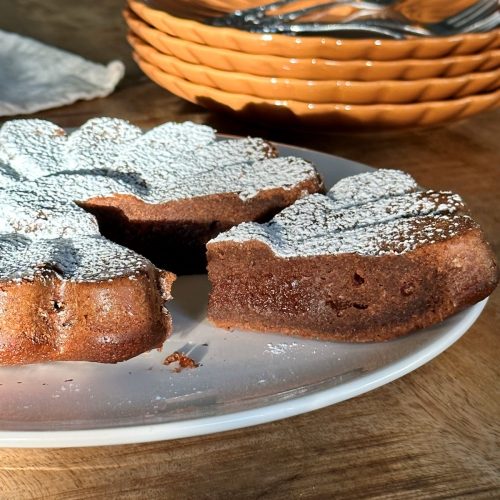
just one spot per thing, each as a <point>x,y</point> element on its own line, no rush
<point>372,260</point>
<point>81,298</point>
<point>67,293</point>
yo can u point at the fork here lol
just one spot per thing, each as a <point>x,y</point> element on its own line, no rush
<point>478,17</point>
<point>259,15</point>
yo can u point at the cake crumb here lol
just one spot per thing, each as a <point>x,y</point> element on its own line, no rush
<point>183,360</point>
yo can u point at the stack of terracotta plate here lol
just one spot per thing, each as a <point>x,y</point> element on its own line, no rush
<point>318,80</point>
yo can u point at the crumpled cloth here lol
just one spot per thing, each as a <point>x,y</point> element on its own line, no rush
<point>35,76</point>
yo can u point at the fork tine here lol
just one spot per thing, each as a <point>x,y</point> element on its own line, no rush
<point>488,9</point>
<point>253,14</point>
<point>264,8</point>
<point>312,29</point>
<point>470,12</point>
<point>260,10</point>
<point>466,12</point>
<point>292,16</point>
<point>485,24</point>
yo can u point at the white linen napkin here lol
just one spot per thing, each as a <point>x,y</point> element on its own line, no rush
<point>35,76</point>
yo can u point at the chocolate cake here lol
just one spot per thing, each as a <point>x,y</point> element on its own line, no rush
<point>69,293</point>
<point>373,259</point>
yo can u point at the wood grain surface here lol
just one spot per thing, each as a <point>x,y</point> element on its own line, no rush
<point>433,434</point>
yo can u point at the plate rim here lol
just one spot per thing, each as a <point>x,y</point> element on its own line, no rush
<point>134,434</point>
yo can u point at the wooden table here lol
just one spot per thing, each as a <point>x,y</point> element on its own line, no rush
<point>433,434</point>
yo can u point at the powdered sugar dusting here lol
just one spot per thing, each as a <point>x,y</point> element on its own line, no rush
<point>98,143</point>
<point>33,147</point>
<point>80,258</point>
<point>155,151</point>
<point>7,177</point>
<point>43,171</point>
<point>7,174</point>
<point>22,213</point>
<point>4,158</point>
<point>174,161</point>
<point>280,349</point>
<point>344,222</point>
<point>372,186</point>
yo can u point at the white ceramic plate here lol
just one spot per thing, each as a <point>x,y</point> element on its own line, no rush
<point>244,378</point>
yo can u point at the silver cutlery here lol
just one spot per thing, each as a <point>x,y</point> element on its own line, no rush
<point>373,18</point>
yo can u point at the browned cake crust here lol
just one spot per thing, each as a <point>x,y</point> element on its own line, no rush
<point>348,297</point>
<point>174,235</point>
<point>48,319</point>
